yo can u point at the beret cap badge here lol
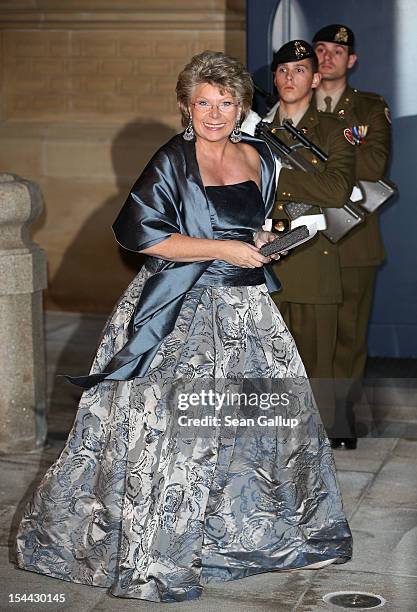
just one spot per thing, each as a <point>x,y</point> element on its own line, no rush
<point>299,49</point>
<point>341,35</point>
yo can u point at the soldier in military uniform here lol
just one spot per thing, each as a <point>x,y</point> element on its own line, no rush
<point>310,275</point>
<point>360,251</point>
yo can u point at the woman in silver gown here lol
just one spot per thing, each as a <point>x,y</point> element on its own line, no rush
<point>133,503</point>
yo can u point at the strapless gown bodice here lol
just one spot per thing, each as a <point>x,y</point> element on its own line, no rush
<point>236,212</point>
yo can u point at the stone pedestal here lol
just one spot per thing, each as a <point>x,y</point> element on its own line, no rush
<point>22,347</point>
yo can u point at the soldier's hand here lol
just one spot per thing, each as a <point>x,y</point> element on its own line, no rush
<point>263,237</point>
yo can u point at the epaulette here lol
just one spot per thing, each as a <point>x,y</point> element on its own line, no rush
<point>369,94</point>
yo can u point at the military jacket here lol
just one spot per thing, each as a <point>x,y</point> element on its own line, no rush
<point>311,273</point>
<point>363,245</point>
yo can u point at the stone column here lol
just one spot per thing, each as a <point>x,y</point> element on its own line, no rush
<point>22,347</point>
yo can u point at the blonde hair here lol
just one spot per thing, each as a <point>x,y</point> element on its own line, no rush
<point>220,70</point>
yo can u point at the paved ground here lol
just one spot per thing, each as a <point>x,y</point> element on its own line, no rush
<point>378,481</point>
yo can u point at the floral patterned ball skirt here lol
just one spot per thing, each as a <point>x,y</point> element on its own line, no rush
<point>134,505</point>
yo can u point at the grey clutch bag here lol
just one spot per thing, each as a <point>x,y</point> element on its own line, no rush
<point>288,241</point>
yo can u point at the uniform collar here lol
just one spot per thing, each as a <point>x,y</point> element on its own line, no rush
<point>309,119</point>
<point>295,119</point>
<point>320,96</point>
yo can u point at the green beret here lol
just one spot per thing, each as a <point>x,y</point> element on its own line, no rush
<point>292,51</point>
<point>335,33</point>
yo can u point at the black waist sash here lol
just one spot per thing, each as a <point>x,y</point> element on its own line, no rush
<point>223,274</point>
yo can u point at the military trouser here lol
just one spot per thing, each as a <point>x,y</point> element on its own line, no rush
<point>314,329</point>
<point>352,324</point>
<point>351,347</point>
<point>331,339</point>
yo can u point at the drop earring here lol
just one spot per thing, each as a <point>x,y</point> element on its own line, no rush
<point>189,131</point>
<point>236,135</point>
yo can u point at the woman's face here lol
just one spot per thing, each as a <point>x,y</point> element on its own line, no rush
<point>214,114</point>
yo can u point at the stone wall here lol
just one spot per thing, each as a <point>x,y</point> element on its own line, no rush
<point>87,95</point>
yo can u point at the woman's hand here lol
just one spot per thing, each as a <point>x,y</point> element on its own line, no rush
<point>241,254</point>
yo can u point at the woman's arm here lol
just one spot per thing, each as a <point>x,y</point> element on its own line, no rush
<point>184,248</point>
